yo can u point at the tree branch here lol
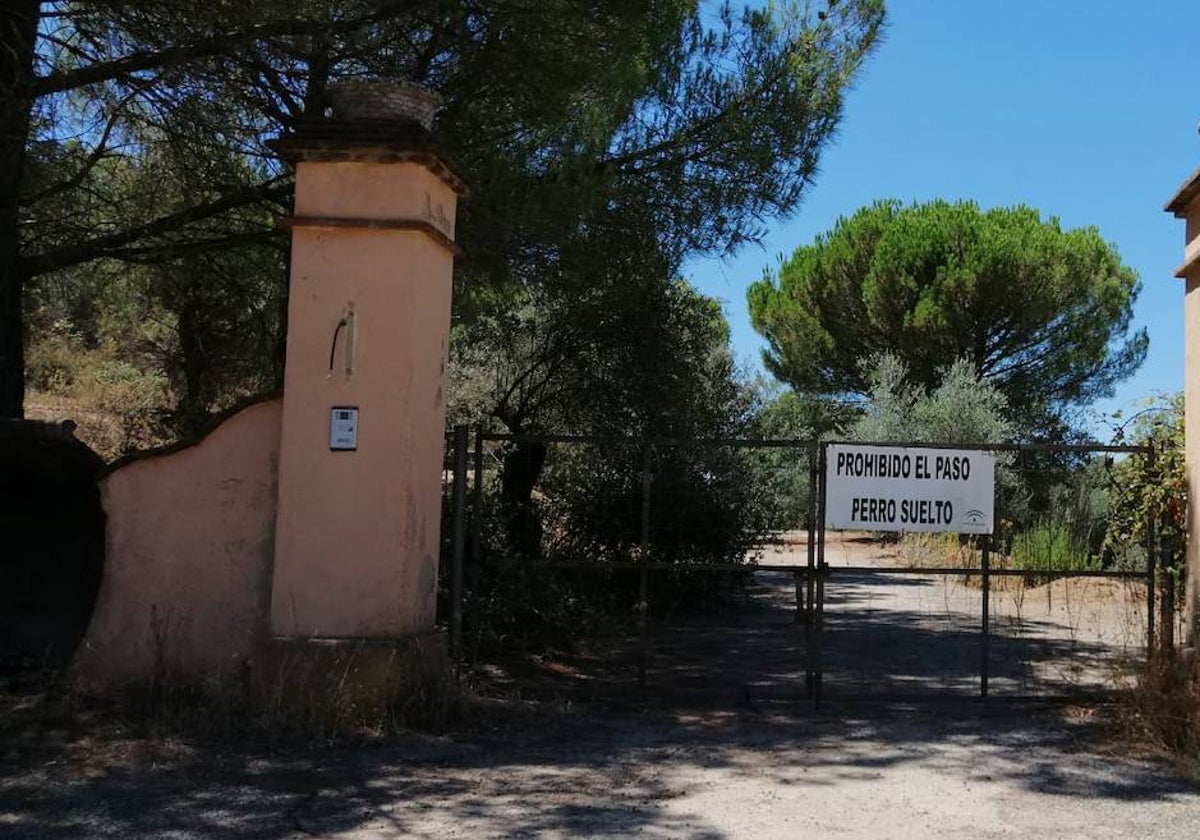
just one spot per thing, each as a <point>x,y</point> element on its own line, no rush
<point>97,155</point>
<point>102,71</point>
<point>102,245</point>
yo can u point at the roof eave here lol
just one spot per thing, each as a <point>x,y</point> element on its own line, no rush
<point>1184,196</point>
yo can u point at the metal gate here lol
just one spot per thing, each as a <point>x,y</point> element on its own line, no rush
<point>669,656</point>
<point>897,627</point>
<point>864,618</point>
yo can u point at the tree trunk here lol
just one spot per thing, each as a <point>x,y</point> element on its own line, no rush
<point>193,404</point>
<point>519,475</point>
<point>18,34</point>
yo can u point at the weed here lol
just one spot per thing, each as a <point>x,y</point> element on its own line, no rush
<point>1050,547</point>
<point>1163,709</point>
<point>301,690</point>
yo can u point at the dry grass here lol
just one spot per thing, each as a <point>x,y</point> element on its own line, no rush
<point>947,551</point>
<point>304,696</point>
<point>298,695</point>
<point>929,551</point>
<point>102,420</point>
<point>1163,711</point>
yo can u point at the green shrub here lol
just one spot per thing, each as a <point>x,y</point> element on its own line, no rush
<point>708,504</point>
<point>519,606</point>
<point>1147,489</point>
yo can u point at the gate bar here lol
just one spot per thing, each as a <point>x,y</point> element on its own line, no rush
<point>789,443</point>
<point>986,640</point>
<point>643,606</point>
<point>966,571</point>
<point>819,613</point>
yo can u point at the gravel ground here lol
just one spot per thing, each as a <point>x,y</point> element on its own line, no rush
<point>984,771</point>
<point>893,634</point>
<point>721,744</point>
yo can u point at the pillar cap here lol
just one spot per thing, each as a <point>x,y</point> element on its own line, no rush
<point>334,142</point>
<point>368,141</point>
<point>373,121</point>
<point>383,99</point>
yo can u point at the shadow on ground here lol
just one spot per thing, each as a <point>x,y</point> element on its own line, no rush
<point>526,771</point>
<point>574,749</point>
<point>886,636</point>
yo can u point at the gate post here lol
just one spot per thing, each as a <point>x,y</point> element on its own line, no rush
<point>985,559</point>
<point>814,510</point>
<point>460,539</point>
<point>819,600</point>
<point>643,607</point>
<point>810,568</point>
<point>359,501</point>
<point>1166,621</point>
<point>1151,561</point>
<point>477,501</point>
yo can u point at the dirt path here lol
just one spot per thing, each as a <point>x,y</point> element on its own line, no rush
<point>869,773</point>
<point>899,635</point>
<point>722,744</point>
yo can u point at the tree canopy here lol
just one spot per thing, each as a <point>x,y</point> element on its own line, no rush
<point>962,408</point>
<point>1041,312</point>
<point>137,130</point>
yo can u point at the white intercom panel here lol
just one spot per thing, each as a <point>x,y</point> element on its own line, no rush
<point>343,428</point>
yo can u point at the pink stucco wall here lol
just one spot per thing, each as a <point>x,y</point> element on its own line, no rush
<point>1191,434</point>
<point>357,533</point>
<point>189,550</point>
<point>1191,387</point>
<point>261,533</point>
<point>374,192</point>
<point>1191,236</point>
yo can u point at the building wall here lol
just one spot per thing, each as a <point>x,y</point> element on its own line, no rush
<point>189,551</point>
<point>1185,204</point>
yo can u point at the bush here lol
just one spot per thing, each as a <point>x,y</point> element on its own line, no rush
<point>708,504</point>
<point>518,606</point>
<point>1146,489</point>
<point>963,408</point>
<point>116,405</point>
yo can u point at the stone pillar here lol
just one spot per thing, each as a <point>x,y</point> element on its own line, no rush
<point>357,527</point>
<point>1186,205</point>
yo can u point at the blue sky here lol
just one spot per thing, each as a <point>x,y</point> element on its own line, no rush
<point>1084,109</point>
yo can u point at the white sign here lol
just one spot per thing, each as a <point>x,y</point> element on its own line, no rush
<point>343,428</point>
<point>892,488</point>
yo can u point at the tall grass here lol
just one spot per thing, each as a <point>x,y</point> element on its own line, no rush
<point>1050,547</point>
<point>1163,710</point>
<point>293,689</point>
